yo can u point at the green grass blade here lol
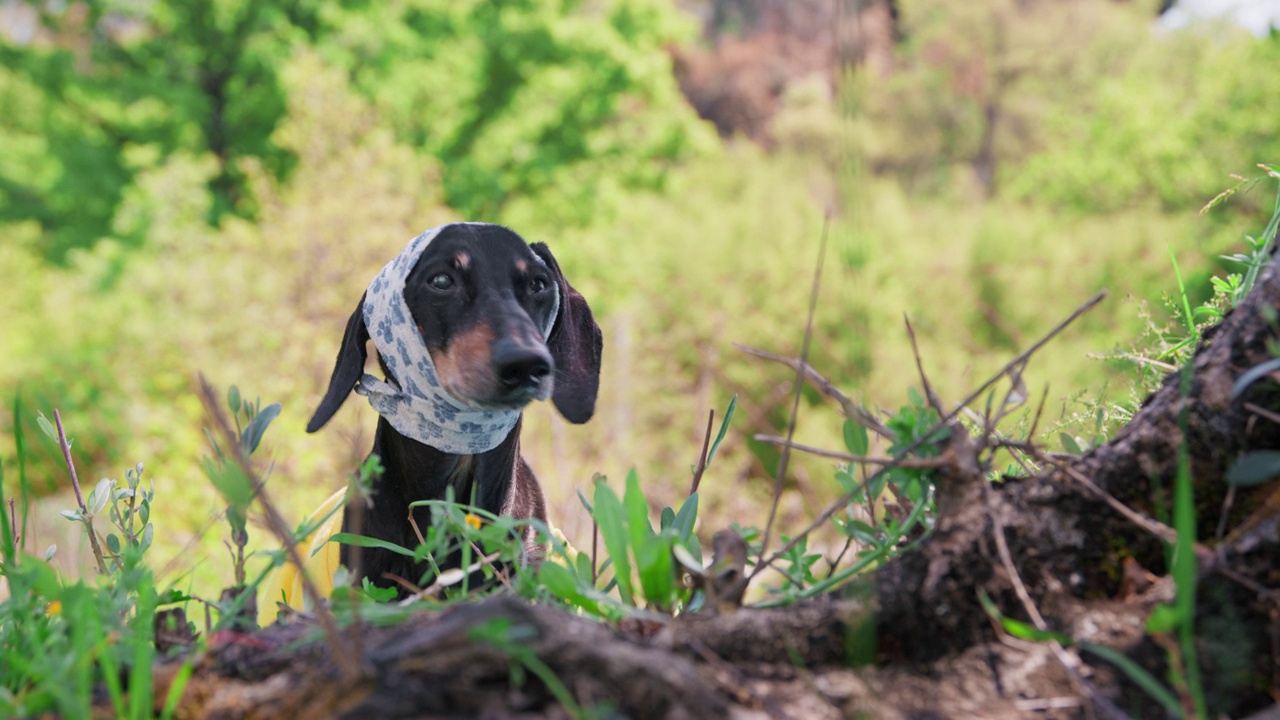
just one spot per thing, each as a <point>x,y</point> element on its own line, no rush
<point>613,529</point>
<point>176,688</point>
<point>1182,291</point>
<point>1138,675</point>
<point>724,427</point>
<point>652,552</point>
<point>368,542</point>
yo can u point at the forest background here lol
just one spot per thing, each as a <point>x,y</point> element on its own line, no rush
<point>208,185</point>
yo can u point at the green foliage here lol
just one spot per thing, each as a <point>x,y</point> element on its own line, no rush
<point>1167,142</point>
<point>62,641</point>
<point>110,91</point>
<point>550,104</point>
<point>538,102</point>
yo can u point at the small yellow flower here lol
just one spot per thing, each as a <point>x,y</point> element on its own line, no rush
<point>55,608</point>
<point>473,520</point>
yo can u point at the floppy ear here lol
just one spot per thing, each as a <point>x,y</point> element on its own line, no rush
<point>346,371</point>
<point>575,345</point>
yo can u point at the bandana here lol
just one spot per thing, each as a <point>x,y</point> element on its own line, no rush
<point>412,399</point>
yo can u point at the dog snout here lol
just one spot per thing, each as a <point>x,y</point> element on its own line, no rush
<point>519,366</point>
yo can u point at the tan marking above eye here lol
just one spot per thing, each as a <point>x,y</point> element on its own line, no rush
<point>462,261</point>
<point>522,266</point>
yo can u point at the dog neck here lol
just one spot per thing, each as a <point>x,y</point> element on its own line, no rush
<point>414,471</point>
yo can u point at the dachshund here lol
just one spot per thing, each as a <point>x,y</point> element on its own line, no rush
<point>470,324</point>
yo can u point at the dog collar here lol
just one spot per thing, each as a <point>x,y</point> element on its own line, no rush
<point>412,399</point>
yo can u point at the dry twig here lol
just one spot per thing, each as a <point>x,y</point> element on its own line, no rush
<point>348,662</point>
<point>795,403</point>
<point>75,483</point>
<point>1017,362</point>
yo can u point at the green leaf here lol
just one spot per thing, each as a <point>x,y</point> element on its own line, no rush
<point>100,495</point>
<point>46,427</point>
<point>582,564</point>
<point>1070,444</point>
<point>1017,628</point>
<point>724,427</point>
<point>652,553</point>
<point>1164,619</point>
<point>233,399</point>
<point>613,529</point>
<point>258,426</point>
<point>863,532</point>
<point>72,515</point>
<point>368,542</point>
<point>561,582</point>
<point>856,438</point>
<point>1254,468</point>
<point>113,543</point>
<point>1138,675</point>
<point>686,518</point>
<point>667,519</point>
<point>585,503</point>
<point>231,481</point>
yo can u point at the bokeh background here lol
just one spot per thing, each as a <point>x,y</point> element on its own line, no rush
<point>208,185</point>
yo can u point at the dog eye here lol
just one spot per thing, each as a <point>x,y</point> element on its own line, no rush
<point>537,285</point>
<point>441,282</point>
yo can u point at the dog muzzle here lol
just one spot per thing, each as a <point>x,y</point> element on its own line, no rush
<point>412,399</point>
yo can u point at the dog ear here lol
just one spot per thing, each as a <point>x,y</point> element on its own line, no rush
<point>346,370</point>
<point>575,345</point>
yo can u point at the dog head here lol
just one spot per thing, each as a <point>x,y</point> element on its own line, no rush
<point>482,300</point>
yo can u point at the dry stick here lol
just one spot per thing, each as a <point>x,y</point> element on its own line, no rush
<point>1017,361</point>
<point>909,463</point>
<point>702,457</point>
<point>75,483</point>
<point>348,663</point>
<point>13,525</point>
<point>851,410</point>
<point>1262,412</point>
<point>1155,527</point>
<point>795,403</point>
<point>929,394</point>
<point>1069,662</point>
<point>1039,410</point>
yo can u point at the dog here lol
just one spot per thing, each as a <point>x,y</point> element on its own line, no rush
<point>470,323</point>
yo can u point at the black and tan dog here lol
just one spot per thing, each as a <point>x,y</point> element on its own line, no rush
<point>495,325</point>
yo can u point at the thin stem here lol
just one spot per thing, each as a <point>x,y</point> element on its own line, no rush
<point>75,483</point>
<point>702,457</point>
<point>347,662</point>
<point>795,402</point>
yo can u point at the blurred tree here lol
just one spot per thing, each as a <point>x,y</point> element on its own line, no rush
<point>550,101</point>
<point>1128,140</point>
<point>972,81</point>
<point>103,90</point>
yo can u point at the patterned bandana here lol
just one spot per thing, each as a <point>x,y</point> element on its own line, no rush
<point>412,399</point>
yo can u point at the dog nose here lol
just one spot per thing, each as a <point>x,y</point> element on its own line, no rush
<point>519,365</point>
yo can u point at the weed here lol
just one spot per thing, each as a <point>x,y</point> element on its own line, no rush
<point>60,640</point>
